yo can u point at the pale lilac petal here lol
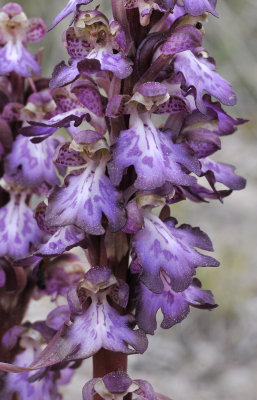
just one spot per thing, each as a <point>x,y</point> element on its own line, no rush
<point>57,317</point>
<point>12,9</point>
<point>11,337</point>
<point>31,164</point>
<point>19,232</point>
<point>88,391</point>
<point>116,63</point>
<point>174,306</point>
<point>87,137</point>
<point>68,9</point>
<point>88,95</point>
<point>178,11</point>
<point>135,219</point>
<point>60,275</point>
<point>15,57</point>
<point>200,193</point>
<point>63,239</point>
<point>145,390</point>
<point>223,173</point>
<point>66,375</point>
<point>77,48</point>
<point>116,106</point>
<point>25,386</point>
<point>162,246</point>
<point>198,7</point>
<point>201,77</point>
<point>184,38</point>
<point>100,326</point>
<point>154,156</point>
<point>198,297</point>
<point>83,200</point>
<point>36,30</point>
<point>202,141</point>
<point>227,124</point>
<point>63,74</point>
<point>117,382</point>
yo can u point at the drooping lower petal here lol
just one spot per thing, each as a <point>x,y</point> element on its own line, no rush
<point>223,173</point>
<point>95,325</point>
<point>116,63</point>
<point>20,387</point>
<point>201,77</point>
<point>15,57</point>
<point>174,305</point>
<point>30,164</point>
<point>226,123</point>
<point>161,246</point>
<point>83,200</point>
<point>19,232</point>
<point>154,156</point>
<point>63,239</point>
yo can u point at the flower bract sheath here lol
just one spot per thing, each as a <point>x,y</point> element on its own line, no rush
<point>142,104</point>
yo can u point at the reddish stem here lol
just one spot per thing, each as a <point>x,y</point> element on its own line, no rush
<point>106,361</point>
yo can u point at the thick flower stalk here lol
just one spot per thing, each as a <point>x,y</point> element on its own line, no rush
<point>140,99</point>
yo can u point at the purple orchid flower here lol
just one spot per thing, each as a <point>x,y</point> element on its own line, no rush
<point>103,326</point>
<point>103,236</point>
<point>15,31</point>
<point>93,38</point>
<point>29,164</point>
<point>29,385</point>
<point>19,230</point>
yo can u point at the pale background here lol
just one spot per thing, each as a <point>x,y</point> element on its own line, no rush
<point>211,355</point>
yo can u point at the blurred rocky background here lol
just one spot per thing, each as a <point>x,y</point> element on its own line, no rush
<point>211,355</point>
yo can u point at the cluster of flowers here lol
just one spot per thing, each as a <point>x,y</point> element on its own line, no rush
<point>108,187</point>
